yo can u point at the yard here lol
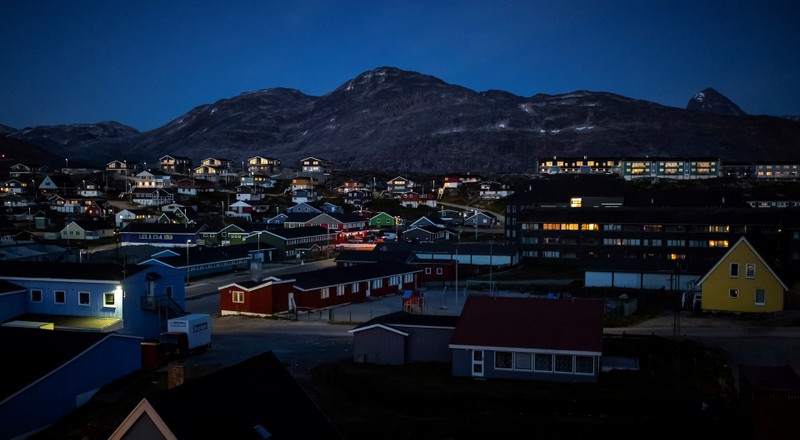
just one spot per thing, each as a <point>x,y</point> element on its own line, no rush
<point>681,389</point>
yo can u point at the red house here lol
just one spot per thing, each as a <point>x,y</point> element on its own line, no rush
<point>258,298</point>
<point>342,285</point>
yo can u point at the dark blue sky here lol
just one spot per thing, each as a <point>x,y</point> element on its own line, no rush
<point>145,63</point>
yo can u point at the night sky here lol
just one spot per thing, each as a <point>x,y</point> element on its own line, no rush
<point>145,63</point>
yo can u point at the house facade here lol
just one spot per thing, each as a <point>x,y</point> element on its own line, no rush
<point>98,297</point>
<point>742,281</point>
<point>555,340</point>
<point>401,337</point>
<point>263,297</point>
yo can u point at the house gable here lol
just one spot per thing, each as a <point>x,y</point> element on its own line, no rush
<point>742,281</point>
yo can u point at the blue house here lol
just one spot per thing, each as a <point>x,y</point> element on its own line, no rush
<point>49,374</point>
<point>131,300</point>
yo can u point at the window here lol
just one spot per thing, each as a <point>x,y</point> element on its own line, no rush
<point>522,361</point>
<point>733,293</point>
<point>734,270</point>
<point>325,292</point>
<point>543,362</point>
<point>36,295</point>
<point>354,287</point>
<point>377,284</point>
<point>83,298</point>
<point>750,270</point>
<point>584,364</point>
<point>427,271</point>
<point>108,299</point>
<point>340,290</point>
<point>438,271</point>
<point>563,363</point>
<point>760,297</point>
<point>59,297</point>
<point>502,360</point>
<point>237,296</point>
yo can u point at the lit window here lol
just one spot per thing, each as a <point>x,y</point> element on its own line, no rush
<point>237,296</point>
<point>108,299</point>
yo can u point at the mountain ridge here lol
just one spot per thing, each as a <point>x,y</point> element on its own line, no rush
<point>402,121</point>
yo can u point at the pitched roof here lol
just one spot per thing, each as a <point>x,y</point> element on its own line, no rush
<point>52,350</point>
<point>530,323</point>
<point>67,271</point>
<point>276,406</point>
<point>742,242</point>
<point>333,276</point>
<point>404,319</point>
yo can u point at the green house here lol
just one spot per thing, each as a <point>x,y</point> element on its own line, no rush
<point>382,219</point>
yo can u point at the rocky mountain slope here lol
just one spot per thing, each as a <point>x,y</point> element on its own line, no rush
<point>400,121</point>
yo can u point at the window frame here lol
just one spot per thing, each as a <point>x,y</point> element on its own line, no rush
<point>59,293</point>
<point>106,302</point>
<point>763,294</point>
<point>84,294</point>
<point>237,296</point>
<point>37,293</point>
<point>504,360</point>
<point>750,270</point>
<point>733,293</point>
<point>733,270</point>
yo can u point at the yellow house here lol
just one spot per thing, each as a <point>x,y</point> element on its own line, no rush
<point>742,281</point>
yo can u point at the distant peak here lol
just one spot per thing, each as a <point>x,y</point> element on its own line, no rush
<point>709,100</point>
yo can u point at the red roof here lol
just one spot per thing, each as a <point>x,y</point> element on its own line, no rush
<point>531,323</point>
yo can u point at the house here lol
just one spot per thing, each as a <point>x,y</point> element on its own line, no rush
<point>288,412</point>
<point>302,207</point>
<point>306,183</point>
<point>192,187</point>
<point>92,297</point>
<point>579,165</point>
<point>412,199</point>
<point>257,180</point>
<point>249,193</point>
<point>491,190</point>
<point>86,230</point>
<point>341,285</point>
<point>56,184</point>
<point>671,168</point>
<point>383,219</point>
<point>425,221</point>
<point>351,185</point>
<point>259,165</point>
<point>426,234</point>
<point>125,216</point>
<point>304,196</point>
<point>148,180</point>
<point>89,189</point>
<point>203,261</point>
<point>172,164</point>
<point>401,337</point>
<point>357,198</point>
<point>151,196</point>
<point>117,167</point>
<point>313,165</point>
<point>296,242</point>
<point>480,219</point>
<point>240,209</point>
<point>14,186</point>
<point>257,297</point>
<point>160,234</point>
<point>555,340</point>
<point>399,185</point>
<point>59,372</point>
<point>742,281</point>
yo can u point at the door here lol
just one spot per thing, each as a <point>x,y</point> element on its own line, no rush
<point>477,363</point>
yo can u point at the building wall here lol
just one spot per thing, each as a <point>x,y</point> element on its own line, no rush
<point>379,346</point>
<point>428,344</point>
<point>312,299</point>
<point>13,304</point>
<point>716,287</point>
<point>462,366</point>
<point>268,300</point>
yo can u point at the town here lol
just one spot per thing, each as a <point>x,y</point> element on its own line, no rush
<point>103,259</point>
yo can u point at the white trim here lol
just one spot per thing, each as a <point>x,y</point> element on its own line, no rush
<point>523,349</point>
<point>385,327</point>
